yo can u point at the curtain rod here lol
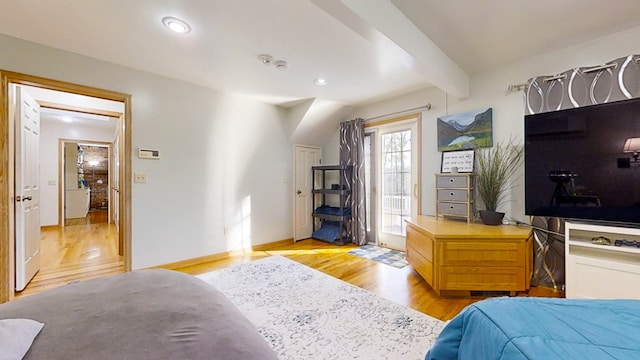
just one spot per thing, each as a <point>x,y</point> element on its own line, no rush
<point>517,87</point>
<point>427,106</point>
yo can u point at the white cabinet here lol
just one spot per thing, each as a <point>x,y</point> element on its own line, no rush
<point>600,271</point>
<point>77,203</point>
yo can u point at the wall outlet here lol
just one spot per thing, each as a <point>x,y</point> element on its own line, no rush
<point>140,177</point>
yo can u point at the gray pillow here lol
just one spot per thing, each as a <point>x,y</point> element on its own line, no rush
<point>16,337</point>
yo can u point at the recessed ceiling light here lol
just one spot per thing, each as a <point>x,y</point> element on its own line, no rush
<point>67,119</point>
<point>320,81</point>
<point>176,25</point>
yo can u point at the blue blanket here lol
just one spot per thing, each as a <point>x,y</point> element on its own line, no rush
<point>330,231</point>
<point>542,328</point>
<point>332,210</point>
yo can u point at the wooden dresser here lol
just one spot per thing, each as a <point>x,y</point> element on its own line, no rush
<point>456,257</point>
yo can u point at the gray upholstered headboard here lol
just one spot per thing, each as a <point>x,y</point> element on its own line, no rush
<point>145,314</point>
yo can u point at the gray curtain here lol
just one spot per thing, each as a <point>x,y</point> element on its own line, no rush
<point>615,80</point>
<point>352,155</point>
<point>548,249</point>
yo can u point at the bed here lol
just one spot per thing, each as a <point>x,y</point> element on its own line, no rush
<point>144,314</point>
<point>542,328</point>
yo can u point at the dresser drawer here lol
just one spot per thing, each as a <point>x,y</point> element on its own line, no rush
<point>420,243</point>
<point>420,253</point>
<point>482,278</point>
<point>423,266</point>
<point>452,181</point>
<point>453,195</point>
<point>455,209</point>
<point>483,253</point>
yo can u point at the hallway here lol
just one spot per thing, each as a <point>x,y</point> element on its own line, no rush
<point>84,249</point>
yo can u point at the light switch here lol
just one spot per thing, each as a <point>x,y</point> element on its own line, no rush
<point>140,177</point>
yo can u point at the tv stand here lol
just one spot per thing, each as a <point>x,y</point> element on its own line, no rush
<point>596,271</point>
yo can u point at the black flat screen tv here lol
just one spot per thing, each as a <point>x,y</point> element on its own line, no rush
<point>576,167</point>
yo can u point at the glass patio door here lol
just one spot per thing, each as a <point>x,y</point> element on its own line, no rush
<point>397,178</point>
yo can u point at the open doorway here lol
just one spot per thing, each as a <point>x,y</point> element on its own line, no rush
<point>79,243</point>
<point>85,181</point>
<point>121,187</point>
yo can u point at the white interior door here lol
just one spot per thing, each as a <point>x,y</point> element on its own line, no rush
<point>304,158</point>
<point>27,189</point>
<point>397,182</point>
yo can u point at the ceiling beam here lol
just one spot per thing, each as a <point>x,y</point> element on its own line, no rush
<point>382,23</point>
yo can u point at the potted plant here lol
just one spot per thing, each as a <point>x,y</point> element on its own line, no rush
<point>495,171</point>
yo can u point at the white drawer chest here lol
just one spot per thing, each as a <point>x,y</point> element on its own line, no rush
<point>455,196</point>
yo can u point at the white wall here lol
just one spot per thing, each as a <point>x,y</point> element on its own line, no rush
<point>224,159</point>
<point>489,89</point>
<point>50,132</point>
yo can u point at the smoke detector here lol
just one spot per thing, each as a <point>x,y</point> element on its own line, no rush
<point>281,65</point>
<point>266,59</point>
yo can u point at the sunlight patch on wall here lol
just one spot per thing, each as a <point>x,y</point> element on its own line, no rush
<point>239,231</point>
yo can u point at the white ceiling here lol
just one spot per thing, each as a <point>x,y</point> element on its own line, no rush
<point>367,49</point>
<point>80,110</point>
<point>78,119</point>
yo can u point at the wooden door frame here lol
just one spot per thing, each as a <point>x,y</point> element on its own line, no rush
<point>372,235</point>
<point>7,176</point>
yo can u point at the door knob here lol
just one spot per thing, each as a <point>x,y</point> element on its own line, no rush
<point>298,192</point>
<point>26,197</point>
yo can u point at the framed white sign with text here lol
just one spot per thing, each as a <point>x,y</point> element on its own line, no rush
<point>457,161</point>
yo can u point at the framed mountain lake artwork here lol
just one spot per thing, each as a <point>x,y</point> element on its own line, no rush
<point>465,131</point>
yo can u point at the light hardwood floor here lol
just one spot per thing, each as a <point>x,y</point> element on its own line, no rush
<point>84,249</point>
<point>85,252</point>
<point>403,286</point>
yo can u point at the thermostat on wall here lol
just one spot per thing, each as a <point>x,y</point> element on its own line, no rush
<point>148,154</point>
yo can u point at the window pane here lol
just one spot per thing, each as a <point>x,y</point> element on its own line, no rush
<point>406,141</point>
<point>396,181</point>
<point>406,161</point>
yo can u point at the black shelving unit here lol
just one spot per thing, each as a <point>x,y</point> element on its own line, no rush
<point>341,214</point>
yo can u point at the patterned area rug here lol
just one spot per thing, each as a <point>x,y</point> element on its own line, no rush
<point>394,258</point>
<point>305,314</point>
